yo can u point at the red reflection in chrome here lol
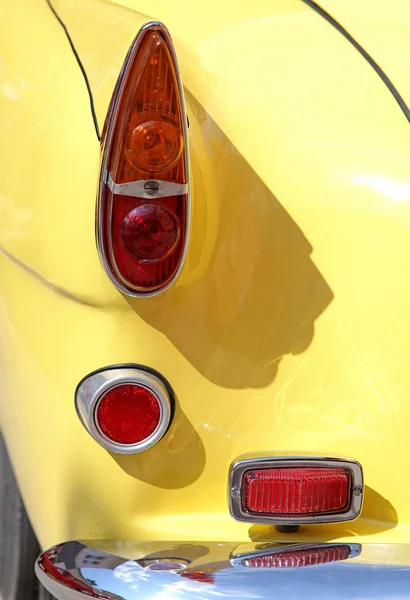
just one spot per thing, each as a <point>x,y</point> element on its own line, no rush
<point>302,557</point>
<point>198,576</point>
<point>46,562</point>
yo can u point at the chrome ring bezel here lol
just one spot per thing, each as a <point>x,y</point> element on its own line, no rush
<point>93,388</point>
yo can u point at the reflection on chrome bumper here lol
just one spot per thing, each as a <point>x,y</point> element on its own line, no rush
<point>131,570</point>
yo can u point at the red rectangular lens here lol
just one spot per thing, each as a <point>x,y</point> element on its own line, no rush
<point>296,491</point>
<point>299,558</point>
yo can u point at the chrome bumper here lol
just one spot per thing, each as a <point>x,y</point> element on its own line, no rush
<point>166,570</point>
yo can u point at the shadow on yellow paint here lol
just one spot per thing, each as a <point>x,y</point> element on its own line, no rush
<point>249,292</point>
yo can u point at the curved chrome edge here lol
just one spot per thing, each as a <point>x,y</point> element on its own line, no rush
<point>138,189</point>
<point>126,570</point>
<point>91,390</point>
<point>241,465</point>
<point>136,292</point>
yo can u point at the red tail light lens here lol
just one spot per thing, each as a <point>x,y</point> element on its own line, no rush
<point>298,491</point>
<point>303,557</point>
<point>143,198</point>
<point>128,414</point>
<point>295,490</point>
<point>150,232</point>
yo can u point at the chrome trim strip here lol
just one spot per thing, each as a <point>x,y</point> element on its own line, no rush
<point>240,466</point>
<point>138,189</point>
<point>138,292</point>
<point>92,389</point>
<point>117,570</point>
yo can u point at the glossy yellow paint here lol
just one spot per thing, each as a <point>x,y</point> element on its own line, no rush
<point>383,31</point>
<point>288,327</point>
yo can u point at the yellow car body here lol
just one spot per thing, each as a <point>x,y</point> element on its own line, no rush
<point>287,329</point>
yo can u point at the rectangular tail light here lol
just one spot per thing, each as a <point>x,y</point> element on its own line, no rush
<point>295,490</point>
<point>298,491</point>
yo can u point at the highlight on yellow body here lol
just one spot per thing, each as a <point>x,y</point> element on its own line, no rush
<point>288,326</point>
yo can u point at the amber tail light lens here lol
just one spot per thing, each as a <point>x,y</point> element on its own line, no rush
<point>143,203</point>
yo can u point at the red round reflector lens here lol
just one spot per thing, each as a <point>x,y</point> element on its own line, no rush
<point>154,146</point>
<point>150,232</point>
<point>128,414</point>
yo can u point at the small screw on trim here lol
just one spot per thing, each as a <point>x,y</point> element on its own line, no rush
<point>358,490</point>
<point>151,187</point>
<point>235,492</point>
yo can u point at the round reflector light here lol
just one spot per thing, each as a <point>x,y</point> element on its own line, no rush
<point>126,408</point>
<point>128,413</point>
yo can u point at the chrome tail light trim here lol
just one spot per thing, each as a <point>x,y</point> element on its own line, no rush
<point>240,466</point>
<point>148,189</point>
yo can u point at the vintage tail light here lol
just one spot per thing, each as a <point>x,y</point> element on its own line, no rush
<point>125,409</point>
<point>143,199</point>
<point>304,555</point>
<point>295,490</point>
